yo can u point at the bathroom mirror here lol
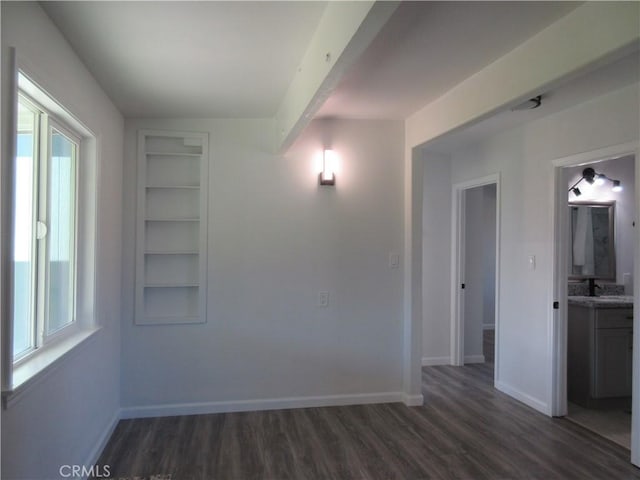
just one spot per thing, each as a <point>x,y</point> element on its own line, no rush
<point>592,249</point>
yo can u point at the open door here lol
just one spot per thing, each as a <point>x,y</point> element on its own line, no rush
<point>475,269</point>
<point>559,330</point>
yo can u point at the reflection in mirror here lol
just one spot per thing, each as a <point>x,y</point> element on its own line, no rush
<point>592,249</point>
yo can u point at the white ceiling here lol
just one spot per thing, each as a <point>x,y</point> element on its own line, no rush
<point>582,88</point>
<point>190,59</point>
<point>426,48</point>
<point>237,59</point>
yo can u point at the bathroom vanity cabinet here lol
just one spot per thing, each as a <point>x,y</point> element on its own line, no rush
<point>600,350</point>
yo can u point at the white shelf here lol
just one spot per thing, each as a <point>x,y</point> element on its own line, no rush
<point>179,187</point>
<point>167,252</point>
<point>171,254</point>
<point>172,154</point>
<point>169,320</point>
<point>193,219</point>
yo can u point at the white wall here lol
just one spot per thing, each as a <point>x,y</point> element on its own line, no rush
<point>63,418</point>
<point>489,256</point>
<point>275,240</point>
<point>622,169</point>
<point>436,259</point>
<point>523,156</point>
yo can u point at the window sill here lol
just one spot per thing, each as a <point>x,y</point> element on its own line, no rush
<point>32,371</point>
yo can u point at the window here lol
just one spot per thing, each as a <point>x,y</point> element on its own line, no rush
<point>45,229</point>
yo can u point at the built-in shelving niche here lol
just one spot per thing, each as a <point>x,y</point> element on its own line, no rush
<point>171,246</point>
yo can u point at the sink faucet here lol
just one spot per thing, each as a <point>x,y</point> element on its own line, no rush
<point>593,286</point>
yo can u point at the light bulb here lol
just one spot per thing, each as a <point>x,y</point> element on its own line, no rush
<point>616,186</point>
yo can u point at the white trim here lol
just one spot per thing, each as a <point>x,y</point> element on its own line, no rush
<point>37,365</point>
<point>525,398</point>
<point>201,408</point>
<point>33,88</point>
<point>474,359</point>
<point>457,274</point>
<point>101,443</point>
<point>413,400</point>
<point>200,139</point>
<point>432,361</point>
<point>457,266</point>
<point>608,153</point>
<point>33,371</point>
<point>7,156</point>
<point>488,326</point>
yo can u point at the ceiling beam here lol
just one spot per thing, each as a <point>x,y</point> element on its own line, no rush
<point>345,30</point>
<point>588,37</point>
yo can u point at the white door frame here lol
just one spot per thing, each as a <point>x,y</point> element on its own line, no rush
<point>457,265</point>
<point>558,329</point>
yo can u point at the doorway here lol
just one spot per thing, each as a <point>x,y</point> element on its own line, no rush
<point>475,271</point>
<point>597,393</point>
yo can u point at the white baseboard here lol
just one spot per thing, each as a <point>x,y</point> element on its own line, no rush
<point>431,361</point>
<point>474,359</point>
<point>413,400</point>
<point>96,451</point>
<point>201,408</point>
<point>525,398</point>
<point>488,326</point>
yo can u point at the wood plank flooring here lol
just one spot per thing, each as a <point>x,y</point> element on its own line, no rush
<point>465,430</point>
<point>611,423</point>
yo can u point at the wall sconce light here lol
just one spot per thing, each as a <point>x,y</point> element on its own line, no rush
<point>328,174</point>
<point>590,176</point>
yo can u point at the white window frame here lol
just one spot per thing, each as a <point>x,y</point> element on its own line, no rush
<point>71,327</point>
<point>19,375</point>
<point>47,123</point>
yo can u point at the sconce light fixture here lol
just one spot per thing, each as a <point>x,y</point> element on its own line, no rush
<point>328,174</point>
<point>590,176</point>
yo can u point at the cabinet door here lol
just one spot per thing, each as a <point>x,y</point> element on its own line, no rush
<point>613,361</point>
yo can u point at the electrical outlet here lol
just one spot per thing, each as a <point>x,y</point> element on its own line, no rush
<point>323,299</point>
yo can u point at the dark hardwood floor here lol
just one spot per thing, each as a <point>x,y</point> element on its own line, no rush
<point>465,430</point>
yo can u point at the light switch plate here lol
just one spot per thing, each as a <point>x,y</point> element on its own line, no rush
<point>323,299</point>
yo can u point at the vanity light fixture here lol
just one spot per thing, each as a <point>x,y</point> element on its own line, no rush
<point>616,186</point>
<point>590,176</point>
<point>328,175</point>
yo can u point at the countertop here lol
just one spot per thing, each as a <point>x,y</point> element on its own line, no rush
<point>605,301</point>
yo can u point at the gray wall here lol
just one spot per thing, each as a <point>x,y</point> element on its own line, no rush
<point>63,417</point>
<point>519,155</point>
<point>275,240</point>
